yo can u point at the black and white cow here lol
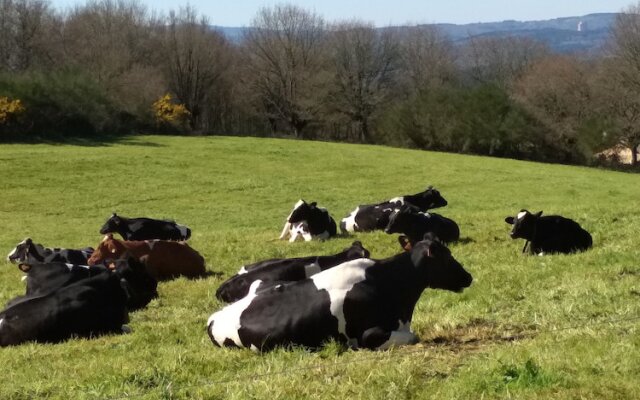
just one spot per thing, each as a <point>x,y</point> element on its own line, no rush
<point>549,234</point>
<point>308,221</point>
<point>88,307</point>
<point>415,224</point>
<point>43,278</point>
<point>27,252</point>
<point>284,270</point>
<point>376,216</point>
<point>364,303</point>
<point>145,228</point>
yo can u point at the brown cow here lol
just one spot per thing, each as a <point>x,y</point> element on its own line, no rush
<point>164,259</point>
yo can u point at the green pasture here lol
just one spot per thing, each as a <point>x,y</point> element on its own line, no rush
<point>552,327</point>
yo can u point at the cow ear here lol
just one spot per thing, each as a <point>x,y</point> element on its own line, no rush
<point>538,214</point>
<point>24,267</point>
<point>405,243</point>
<point>509,220</point>
<point>28,241</point>
<point>430,187</point>
<point>114,215</point>
<point>314,204</point>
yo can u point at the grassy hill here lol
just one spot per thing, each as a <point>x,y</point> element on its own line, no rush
<point>554,327</point>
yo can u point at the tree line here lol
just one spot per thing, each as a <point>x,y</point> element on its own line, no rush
<point>116,67</point>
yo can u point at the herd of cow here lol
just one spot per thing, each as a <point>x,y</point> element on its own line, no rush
<point>347,297</point>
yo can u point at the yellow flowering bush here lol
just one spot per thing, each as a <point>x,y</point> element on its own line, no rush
<point>10,109</point>
<point>166,110</point>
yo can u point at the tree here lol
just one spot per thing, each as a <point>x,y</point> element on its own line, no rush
<point>557,90</point>
<point>624,79</point>
<point>195,59</point>
<point>363,61</point>
<point>284,65</point>
<point>427,58</point>
<point>500,60</point>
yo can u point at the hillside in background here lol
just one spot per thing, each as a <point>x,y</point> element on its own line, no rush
<point>564,35</point>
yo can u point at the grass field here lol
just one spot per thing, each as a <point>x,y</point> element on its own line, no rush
<point>553,327</point>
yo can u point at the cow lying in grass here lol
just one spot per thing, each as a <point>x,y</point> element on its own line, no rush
<point>87,307</point>
<point>371,217</point>
<point>364,303</point>
<point>28,252</point>
<point>308,221</point>
<point>415,224</point>
<point>145,228</point>
<point>164,259</point>
<point>549,234</point>
<point>284,270</point>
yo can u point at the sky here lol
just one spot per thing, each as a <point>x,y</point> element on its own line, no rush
<point>238,13</point>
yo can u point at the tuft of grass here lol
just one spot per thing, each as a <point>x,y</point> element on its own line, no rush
<point>556,327</point>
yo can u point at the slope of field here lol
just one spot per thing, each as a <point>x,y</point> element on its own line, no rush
<point>553,327</point>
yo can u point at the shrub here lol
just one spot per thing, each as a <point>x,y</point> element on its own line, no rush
<point>168,112</point>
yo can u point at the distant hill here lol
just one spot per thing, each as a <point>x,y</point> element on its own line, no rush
<point>586,33</point>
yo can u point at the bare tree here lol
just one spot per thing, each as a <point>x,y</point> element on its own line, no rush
<point>195,59</point>
<point>284,62</point>
<point>623,79</point>
<point>427,58</point>
<point>500,60</point>
<point>23,33</point>
<point>363,63</point>
<point>557,90</point>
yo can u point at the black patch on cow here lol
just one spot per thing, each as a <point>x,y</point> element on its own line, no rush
<point>300,315</point>
<point>228,343</point>
<point>144,228</point>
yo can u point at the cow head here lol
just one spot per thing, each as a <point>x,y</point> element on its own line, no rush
<point>112,224</point>
<point>139,286</point>
<point>437,265</point>
<point>19,253</point>
<point>524,224</point>
<point>357,251</point>
<point>430,198</point>
<point>108,249</point>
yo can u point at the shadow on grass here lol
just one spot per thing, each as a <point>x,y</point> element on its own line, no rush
<point>81,141</point>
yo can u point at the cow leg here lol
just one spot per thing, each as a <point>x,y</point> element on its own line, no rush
<point>379,339</point>
<point>287,227</point>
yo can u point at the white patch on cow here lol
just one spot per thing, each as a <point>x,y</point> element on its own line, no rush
<point>299,229</point>
<point>311,269</point>
<point>183,230</point>
<point>397,200</point>
<point>350,221</point>
<point>226,322</point>
<point>1,321</point>
<point>400,337</point>
<point>521,214</point>
<point>24,278</point>
<point>306,235</point>
<point>242,270</point>
<point>337,281</point>
<point>254,348</point>
<point>541,253</point>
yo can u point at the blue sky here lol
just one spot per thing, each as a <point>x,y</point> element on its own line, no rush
<point>394,12</point>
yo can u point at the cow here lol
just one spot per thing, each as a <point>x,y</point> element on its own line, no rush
<point>86,308</point>
<point>28,252</point>
<point>363,303</point>
<point>145,228</point>
<point>284,270</point>
<point>415,224</point>
<point>309,221</point>
<point>549,234</point>
<point>376,216</point>
<point>43,278</point>
<point>164,259</point>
